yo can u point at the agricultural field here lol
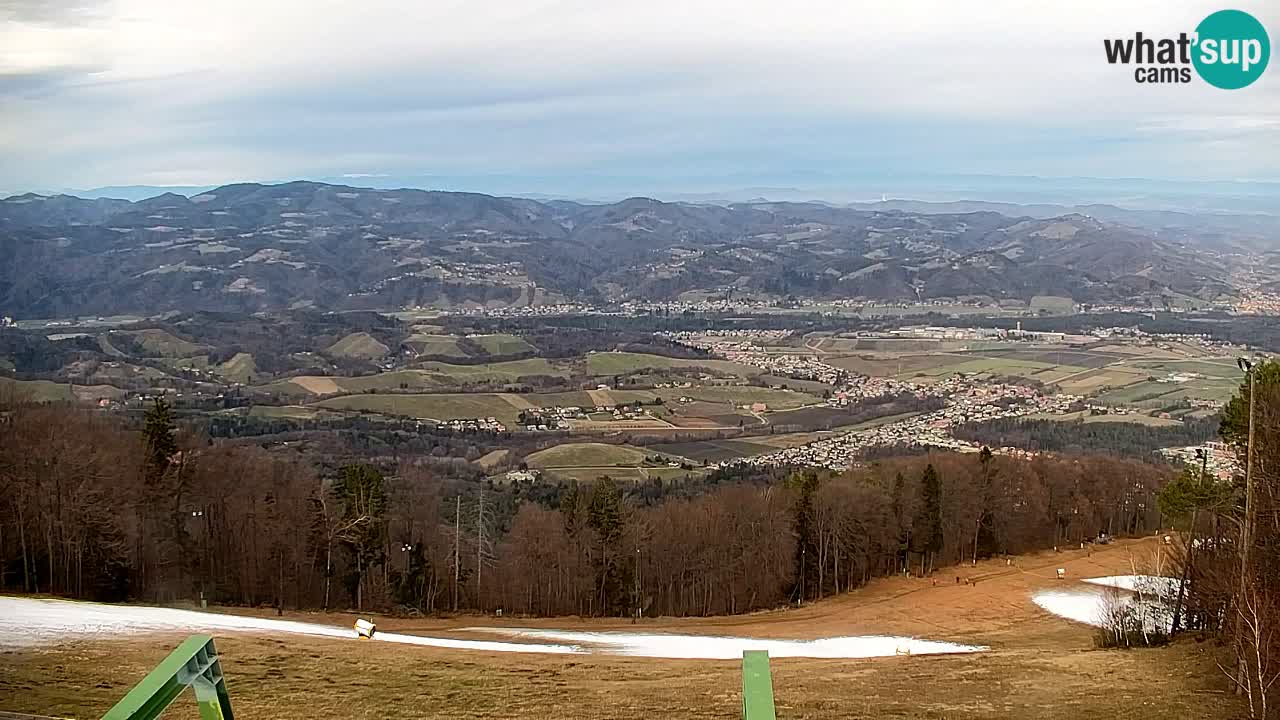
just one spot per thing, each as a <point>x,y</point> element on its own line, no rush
<point>737,395</point>
<point>510,371</point>
<point>502,344</point>
<point>422,376</point>
<point>435,345</point>
<point>590,455</point>
<point>900,366</point>
<point>624,363</point>
<point>292,412</point>
<point>360,346</point>
<point>440,406</point>
<point>239,369</point>
<point>1092,382</point>
<point>1220,369</point>
<point>159,343</point>
<point>38,390</point>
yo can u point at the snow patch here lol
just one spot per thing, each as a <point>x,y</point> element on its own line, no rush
<point>1148,599</point>
<point>703,647</point>
<point>33,622</point>
<point>30,622</point>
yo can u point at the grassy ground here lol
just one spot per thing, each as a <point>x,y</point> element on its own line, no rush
<point>442,406</point>
<point>621,363</point>
<point>1039,666</point>
<point>360,345</point>
<point>39,390</point>
<point>240,368</point>
<point>586,455</point>
<point>502,344</point>
<point>492,372</point>
<point>441,345</point>
<point>159,343</point>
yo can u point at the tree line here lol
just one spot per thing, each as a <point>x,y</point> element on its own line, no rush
<point>97,509</point>
<point>1230,562</point>
<point>1121,438</point>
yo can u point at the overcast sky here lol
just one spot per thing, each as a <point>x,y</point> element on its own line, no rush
<point>171,92</point>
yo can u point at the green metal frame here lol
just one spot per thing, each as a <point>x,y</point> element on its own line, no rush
<point>193,664</point>
<point>757,686</point>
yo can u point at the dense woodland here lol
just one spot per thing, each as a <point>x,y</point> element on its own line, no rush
<point>1120,438</point>
<point>98,509</point>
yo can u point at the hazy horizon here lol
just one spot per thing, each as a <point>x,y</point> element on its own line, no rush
<point>551,97</point>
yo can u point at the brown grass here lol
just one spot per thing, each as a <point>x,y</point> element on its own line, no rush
<point>1039,667</point>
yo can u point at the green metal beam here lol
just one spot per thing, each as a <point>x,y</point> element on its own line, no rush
<point>193,664</point>
<point>757,686</point>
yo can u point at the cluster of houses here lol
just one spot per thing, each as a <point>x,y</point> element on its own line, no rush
<point>1219,459</point>
<point>550,419</point>
<point>485,424</point>
<point>742,347</point>
<point>525,310</point>
<point>557,418</point>
<point>966,403</point>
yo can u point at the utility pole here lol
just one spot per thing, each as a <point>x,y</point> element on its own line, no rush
<point>636,617</point>
<point>480,546</point>
<point>457,537</point>
<point>1246,529</point>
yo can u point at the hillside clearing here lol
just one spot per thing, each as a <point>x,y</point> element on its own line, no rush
<point>586,455</point>
<point>360,346</point>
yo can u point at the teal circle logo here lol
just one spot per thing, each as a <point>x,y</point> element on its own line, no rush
<point>1232,49</point>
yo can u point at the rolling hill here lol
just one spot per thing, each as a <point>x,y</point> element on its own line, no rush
<point>249,248</point>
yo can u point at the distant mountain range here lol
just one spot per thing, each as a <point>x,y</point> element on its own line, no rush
<point>251,247</point>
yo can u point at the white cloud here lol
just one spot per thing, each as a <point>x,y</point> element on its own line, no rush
<point>138,90</point>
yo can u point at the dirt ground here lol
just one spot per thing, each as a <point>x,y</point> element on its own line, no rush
<point>1039,666</point>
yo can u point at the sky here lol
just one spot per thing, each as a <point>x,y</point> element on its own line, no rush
<point>668,93</point>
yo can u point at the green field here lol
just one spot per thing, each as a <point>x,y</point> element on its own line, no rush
<point>999,366</point>
<point>443,406</point>
<point>586,455</point>
<point>361,346</point>
<point>435,345</point>
<point>159,343</point>
<point>502,344</point>
<point>38,390</point>
<point>291,412</point>
<point>240,369</point>
<point>1209,368</point>
<point>622,363</point>
<point>490,372</point>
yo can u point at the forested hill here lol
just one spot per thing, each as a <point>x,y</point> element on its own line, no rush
<point>253,247</point>
<point>1119,438</point>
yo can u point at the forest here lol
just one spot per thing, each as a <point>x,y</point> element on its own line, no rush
<point>1120,438</point>
<point>96,508</point>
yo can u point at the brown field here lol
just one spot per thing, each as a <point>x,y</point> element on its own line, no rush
<point>1039,666</point>
<point>317,385</point>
